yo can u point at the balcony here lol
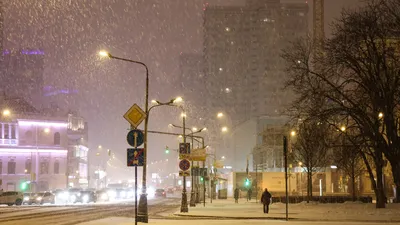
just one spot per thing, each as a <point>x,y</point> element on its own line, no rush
<point>8,142</point>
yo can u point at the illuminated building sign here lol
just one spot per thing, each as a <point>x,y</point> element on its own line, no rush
<point>26,52</point>
<point>41,123</point>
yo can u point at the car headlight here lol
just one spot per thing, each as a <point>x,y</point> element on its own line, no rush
<point>151,191</point>
<point>112,194</point>
<point>104,196</point>
<point>26,198</point>
<point>39,198</point>
<point>85,198</point>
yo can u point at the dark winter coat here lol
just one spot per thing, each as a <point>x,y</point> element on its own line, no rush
<point>236,195</point>
<point>266,197</point>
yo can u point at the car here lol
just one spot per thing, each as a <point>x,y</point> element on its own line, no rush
<point>61,196</point>
<point>160,193</point>
<point>11,197</point>
<point>28,198</point>
<point>44,197</point>
<point>102,195</point>
<point>74,195</point>
<point>86,197</point>
<point>170,190</point>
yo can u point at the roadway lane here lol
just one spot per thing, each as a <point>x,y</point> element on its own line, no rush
<point>73,214</point>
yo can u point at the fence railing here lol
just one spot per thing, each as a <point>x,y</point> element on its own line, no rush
<point>322,199</point>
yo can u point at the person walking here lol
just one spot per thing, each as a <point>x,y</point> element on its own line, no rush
<point>236,195</point>
<point>266,200</point>
<point>249,193</point>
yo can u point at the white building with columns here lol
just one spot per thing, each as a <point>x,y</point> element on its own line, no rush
<point>33,150</point>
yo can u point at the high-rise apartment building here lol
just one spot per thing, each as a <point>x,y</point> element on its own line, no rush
<point>191,82</point>
<point>242,51</point>
<point>22,74</point>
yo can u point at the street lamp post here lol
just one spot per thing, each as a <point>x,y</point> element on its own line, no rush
<point>142,209</point>
<point>193,194</point>
<point>184,206</point>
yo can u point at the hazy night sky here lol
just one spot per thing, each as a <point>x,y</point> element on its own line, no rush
<point>153,31</point>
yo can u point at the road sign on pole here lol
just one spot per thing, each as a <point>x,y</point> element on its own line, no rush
<point>184,173</point>
<point>184,164</point>
<point>135,138</point>
<point>184,150</point>
<point>135,156</point>
<point>135,115</point>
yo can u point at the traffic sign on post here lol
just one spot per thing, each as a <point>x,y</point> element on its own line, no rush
<point>135,156</point>
<point>135,115</point>
<point>184,173</point>
<point>135,138</point>
<point>184,164</point>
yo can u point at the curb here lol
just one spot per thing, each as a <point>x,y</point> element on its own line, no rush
<point>232,217</point>
<point>281,218</point>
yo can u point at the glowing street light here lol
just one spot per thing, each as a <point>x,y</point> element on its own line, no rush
<point>183,114</point>
<point>100,146</point>
<point>153,101</point>
<point>343,128</point>
<point>224,129</point>
<point>104,54</point>
<point>47,130</point>
<point>178,99</point>
<point>6,112</point>
<point>293,133</point>
<point>194,128</point>
<point>380,115</point>
<point>220,115</point>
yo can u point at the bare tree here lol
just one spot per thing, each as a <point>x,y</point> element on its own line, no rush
<point>359,77</point>
<point>347,155</point>
<point>310,148</point>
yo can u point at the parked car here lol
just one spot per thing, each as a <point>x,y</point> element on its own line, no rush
<point>11,197</point>
<point>28,199</point>
<point>160,193</point>
<point>45,197</point>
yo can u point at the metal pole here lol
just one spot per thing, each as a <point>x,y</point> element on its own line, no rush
<point>286,174</point>
<point>204,181</point>
<point>192,193</point>
<point>136,209</point>
<point>143,210</point>
<point>184,206</point>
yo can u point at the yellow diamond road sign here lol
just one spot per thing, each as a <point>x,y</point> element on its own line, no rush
<point>135,115</point>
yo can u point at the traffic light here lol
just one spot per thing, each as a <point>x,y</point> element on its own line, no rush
<point>166,150</point>
<point>247,182</point>
<point>24,186</point>
<point>201,179</point>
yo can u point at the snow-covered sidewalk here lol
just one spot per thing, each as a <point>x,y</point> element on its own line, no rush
<point>348,211</point>
<point>130,221</point>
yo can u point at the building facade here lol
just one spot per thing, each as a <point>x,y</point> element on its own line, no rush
<point>33,153</point>
<point>78,161</point>
<point>242,51</point>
